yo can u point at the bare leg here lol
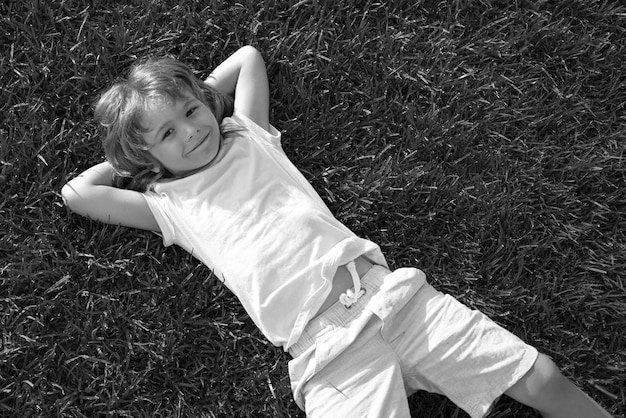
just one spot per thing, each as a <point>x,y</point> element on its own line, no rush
<point>552,394</point>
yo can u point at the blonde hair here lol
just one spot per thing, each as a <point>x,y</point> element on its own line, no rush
<point>119,110</point>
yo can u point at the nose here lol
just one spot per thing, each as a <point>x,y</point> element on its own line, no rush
<point>192,132</point>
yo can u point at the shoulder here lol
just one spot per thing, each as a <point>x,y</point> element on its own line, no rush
<point>255,131</point>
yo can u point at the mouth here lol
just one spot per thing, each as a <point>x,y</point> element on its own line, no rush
<point>202,141</point>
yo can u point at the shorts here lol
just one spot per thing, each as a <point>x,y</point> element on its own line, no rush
<point>400,337</point>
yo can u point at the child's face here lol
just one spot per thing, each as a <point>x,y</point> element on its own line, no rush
<point>182,135</point>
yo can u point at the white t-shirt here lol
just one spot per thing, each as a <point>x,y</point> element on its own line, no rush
<point>252,218</point>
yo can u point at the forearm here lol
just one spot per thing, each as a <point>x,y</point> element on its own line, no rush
<point>92,194</point>
<point>225,76</point>
<point>243,75</point>
<point>100,174</point>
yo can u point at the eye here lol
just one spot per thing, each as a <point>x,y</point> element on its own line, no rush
<point>168,133</point>
<point>191,111</point>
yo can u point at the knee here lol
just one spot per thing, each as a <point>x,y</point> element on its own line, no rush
<point>549,380</point>
<point>542,387</point>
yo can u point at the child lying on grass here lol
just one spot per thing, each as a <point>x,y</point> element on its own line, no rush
<point>203,167</point>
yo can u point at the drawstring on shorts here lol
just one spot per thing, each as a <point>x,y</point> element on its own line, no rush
<point>352,295</point>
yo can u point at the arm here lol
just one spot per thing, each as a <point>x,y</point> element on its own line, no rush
<point>244,75</point>
<point>92,195</point>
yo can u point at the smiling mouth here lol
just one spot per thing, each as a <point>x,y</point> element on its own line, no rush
<point>202,141</point>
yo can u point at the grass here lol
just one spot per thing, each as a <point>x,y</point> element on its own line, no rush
<point>482,141</point>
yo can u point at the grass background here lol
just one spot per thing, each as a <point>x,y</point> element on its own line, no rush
<point>482,141</point>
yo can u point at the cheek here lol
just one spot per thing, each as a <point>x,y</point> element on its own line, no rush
<point>161,154</point>
<point>209,115</point>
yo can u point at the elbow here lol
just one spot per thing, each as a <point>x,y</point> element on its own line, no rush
<point>70,196</point>
<point>252,52</point>
<point>250,49</point>
<point>66,192</point>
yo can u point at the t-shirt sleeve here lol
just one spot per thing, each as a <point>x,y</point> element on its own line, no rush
<point>272,135</point>
<point>157,206</point>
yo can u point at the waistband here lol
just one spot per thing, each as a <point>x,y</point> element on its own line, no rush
<point>339,315</point>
